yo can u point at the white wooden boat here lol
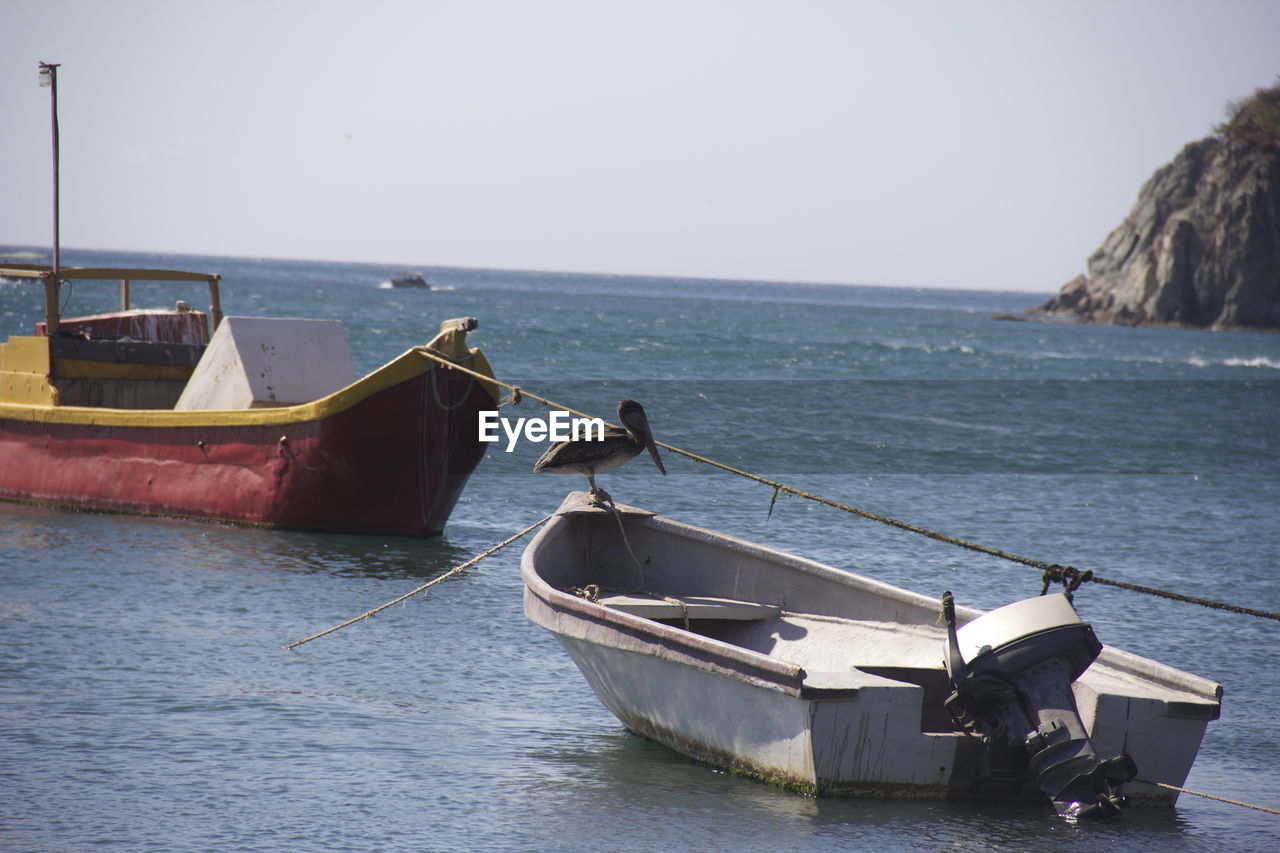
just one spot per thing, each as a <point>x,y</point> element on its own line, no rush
<point>828,682</point>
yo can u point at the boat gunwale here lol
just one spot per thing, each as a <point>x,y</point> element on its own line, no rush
<point>408,365</point>
<point>1114,662</point>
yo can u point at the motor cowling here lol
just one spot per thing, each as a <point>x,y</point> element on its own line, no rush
<point>1011,671</point>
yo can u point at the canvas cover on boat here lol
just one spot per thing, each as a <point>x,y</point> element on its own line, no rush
<point>253,362</point>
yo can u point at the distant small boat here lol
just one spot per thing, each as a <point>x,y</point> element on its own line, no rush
<point>409,279</point>
<point>834,684</point>
<point>245,419</point>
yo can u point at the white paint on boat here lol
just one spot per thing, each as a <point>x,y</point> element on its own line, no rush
<point>253,362</point>
<point>808,675</point>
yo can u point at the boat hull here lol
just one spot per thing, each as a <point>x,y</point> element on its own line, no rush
<point>831,683</point>
<point>861,744</point>
<point>391,454</point>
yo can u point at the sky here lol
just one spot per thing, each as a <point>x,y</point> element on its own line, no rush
<point>979,145</point>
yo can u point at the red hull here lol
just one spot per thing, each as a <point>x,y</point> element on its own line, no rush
<point>394,462</point>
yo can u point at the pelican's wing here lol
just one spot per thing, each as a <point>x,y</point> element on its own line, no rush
<point>578,456</point>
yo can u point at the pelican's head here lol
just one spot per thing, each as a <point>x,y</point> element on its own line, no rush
<point>632,416</point>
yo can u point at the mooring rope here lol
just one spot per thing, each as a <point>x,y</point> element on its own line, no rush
<point>1210,796</point>
<point>468,564</point>
<point>1053,571</point>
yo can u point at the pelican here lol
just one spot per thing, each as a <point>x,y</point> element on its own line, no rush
<point>591,457</point>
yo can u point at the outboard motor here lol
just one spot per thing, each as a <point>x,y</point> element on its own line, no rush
<point>1012,671</point>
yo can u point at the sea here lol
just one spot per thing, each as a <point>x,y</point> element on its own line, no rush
<point>147,702</point>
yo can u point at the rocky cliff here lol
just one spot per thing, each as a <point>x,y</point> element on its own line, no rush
<point>1201,247</point>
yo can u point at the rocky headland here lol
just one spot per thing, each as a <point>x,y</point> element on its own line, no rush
<point>1201,247</point>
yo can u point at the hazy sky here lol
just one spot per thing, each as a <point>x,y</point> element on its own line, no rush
<point>943,144</point>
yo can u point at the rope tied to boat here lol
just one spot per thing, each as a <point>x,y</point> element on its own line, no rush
<point>1226,800</point>
<point>455,570</point>
<point>1069,576</point>
<point>1085,576</point>
<point>590,592</point>
<point>435,393</point>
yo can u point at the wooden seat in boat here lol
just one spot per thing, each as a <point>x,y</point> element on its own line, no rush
<point>694,607</point>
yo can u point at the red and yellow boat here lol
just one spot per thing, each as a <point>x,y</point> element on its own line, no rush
<point>248,420</point>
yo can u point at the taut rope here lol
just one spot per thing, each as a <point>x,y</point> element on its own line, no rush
<point>1210,796</point>
<point>468,564</point>
<point>1053,571</point>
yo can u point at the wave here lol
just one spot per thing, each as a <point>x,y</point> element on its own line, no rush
<point>913,346</point>
<point>1261,361</point>
<point>1257,361</point>
<point>950,423</point>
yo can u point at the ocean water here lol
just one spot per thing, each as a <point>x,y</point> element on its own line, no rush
<point>146,703</point>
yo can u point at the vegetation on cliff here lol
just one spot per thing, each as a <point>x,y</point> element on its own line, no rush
<point>1255,120</point>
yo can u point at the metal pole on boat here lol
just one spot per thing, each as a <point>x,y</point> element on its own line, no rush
<point>49,80</point>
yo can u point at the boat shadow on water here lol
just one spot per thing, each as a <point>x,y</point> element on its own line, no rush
<point>355,555</point>
<point>195,544</point>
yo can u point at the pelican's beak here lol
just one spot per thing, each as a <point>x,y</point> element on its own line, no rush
<point>633,418</point>
<point>653,451</point>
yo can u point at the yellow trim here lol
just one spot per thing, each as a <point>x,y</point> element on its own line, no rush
<point>481,365</point>
<point>412,363</point>
<point>80,368</point>
<point>24,371</point>
<point>27,389</point>
<point>25,354</point>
